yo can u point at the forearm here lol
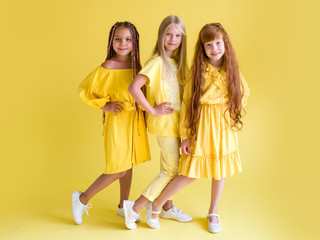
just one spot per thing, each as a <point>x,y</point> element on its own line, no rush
<point>139,97</point>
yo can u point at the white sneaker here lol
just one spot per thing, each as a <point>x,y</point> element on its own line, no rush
<point>175,214</point>
<point>78,208</point>
<point>130,216</point>
<point>154,223</point>
<point>121,213</point>
<point>214,227</point>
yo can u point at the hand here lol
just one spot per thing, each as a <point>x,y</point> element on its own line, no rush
<point>185,147</point>
<point>114,107</point>
<point>162,109</point>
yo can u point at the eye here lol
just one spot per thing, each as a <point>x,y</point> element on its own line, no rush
<point>178,35</point>
<point>129,39</point>
<point>117,39</point>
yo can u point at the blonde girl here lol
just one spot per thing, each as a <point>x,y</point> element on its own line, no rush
<point>211,114</point>
<point>125,136</point>
<point>163,75</point>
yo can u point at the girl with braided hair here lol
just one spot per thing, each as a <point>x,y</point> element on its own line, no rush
<point>125,137</point>
<point>212,107</point>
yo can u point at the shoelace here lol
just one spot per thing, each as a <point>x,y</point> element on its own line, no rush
<point>177,210</point>
<point>86,208</point>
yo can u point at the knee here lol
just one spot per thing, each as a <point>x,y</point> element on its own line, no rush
<point>171,173</point>
<point>190,180</point>
<point>122,174</point>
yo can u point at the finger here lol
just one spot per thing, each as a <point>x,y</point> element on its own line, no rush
<point>118,103</point>
<point>119,108</point>
<point>166,103</point>
<point>187,150</point>
<point>169,109</point>
<point>114,112</point>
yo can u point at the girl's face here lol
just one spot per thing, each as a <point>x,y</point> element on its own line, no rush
<point>122,41</point>
<point>172,39</point>
<point>215,51</point>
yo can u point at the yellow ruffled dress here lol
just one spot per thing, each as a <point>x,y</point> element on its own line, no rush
<point>125,137</point>
<point>214,153</point>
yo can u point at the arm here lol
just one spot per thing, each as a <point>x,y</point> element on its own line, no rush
<point>136,92</point>
<point>185,110</point>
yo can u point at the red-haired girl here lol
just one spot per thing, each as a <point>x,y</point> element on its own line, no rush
<point>125,136</point>
<point>163,76</point>
<point>211,113</point>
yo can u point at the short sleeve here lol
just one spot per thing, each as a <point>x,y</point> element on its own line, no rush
<point>152,70</point>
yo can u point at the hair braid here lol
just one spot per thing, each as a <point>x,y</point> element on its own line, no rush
<point>135,53</point>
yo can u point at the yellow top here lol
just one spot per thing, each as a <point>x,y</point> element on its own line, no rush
<point>161,90</point>
<point>125,137</point>
<point>96,91</point>
<point>216,93</point>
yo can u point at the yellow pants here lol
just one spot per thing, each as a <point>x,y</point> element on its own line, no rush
<point>169,162</point>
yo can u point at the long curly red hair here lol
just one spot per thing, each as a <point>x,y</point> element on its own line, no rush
<point>208,33</point>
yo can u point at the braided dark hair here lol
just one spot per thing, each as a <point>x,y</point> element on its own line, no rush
<point>135,53</point>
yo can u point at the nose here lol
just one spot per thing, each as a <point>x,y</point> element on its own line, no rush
<point>215,47</point>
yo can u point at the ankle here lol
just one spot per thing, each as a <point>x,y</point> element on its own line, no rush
<point>136,208</point>
<point>156,206</point>
<point>168,205</point>
<point>82,199</point>
<point>212,211</point>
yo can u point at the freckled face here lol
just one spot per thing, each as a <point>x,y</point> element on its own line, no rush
<point>122,41</point>
<point>215,50</point>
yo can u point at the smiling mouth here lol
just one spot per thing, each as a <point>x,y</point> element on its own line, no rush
<point>215,54</point>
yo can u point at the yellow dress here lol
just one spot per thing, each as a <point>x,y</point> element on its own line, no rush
<point>125,137</point>
<point>214,153</point>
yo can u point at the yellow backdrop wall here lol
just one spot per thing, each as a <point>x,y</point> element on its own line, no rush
<point>51,142</point>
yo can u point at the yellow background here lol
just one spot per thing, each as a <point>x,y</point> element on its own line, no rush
<point>51,142</point>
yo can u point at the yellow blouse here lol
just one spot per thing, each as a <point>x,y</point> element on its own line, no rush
<point>214,91</point>
<point>161,90</point>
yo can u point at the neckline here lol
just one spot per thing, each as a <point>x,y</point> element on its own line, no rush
<point>121,69</point>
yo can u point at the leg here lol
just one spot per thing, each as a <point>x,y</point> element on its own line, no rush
<point>99,184</point>
<point>169,161</point>
<point>80,200</point>
<point>173,187</point>
<point>216,192</point>
<point>125,186</point>
<point>140,203</point>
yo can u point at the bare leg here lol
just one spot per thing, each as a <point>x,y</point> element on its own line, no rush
<point>139,204</point>
<point>168,205</point>
<point>216,192</point>
<point>99,184</point>
<point>142,201</point>
<point>172,188</point>
<point>125,186</point>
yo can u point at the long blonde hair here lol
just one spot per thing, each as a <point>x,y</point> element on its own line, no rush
<point>179,55</point>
